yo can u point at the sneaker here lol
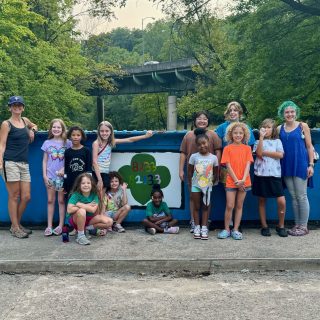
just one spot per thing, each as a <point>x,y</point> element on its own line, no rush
<point>224,234</point>
<point>151,231</point>
<point>18,233</point>
<point>236,235</point>
<point>192,226</point>
<point>83,240</point>
<point>197,232</point>
<point>97,232</point>
<point>57,231</point>
<point>265,232</point>
<point>118,228</point>
<point>73,232</point>
<point>282,232</point>
<point>48,232</point>
<point>171,230</point>
<point>204,233</point>
<point>26,230</point>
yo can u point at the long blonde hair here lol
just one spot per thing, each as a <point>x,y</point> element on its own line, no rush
<point>63,126</point>
<point>111,140</point>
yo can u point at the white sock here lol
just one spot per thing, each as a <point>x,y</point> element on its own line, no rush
<point>90,227</point>
<point>204,227</point>
<point>80,233</point>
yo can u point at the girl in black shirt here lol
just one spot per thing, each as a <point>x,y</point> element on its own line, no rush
<point>77,159</point>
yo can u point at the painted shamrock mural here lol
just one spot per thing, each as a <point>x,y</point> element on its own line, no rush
<point>142,174</point>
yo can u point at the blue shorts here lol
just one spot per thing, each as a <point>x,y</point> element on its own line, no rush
<point>195,189</point>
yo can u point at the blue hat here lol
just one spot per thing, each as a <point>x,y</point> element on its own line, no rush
<point>15,99</point>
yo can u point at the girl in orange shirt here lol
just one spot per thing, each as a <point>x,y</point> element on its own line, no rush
<point>237,157</point>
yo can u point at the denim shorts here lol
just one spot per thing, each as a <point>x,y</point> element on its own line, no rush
<point>110,214</point>
<point>195,189</point>
<point>237,189</point>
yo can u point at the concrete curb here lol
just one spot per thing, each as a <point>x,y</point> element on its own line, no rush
<point>179,266</point>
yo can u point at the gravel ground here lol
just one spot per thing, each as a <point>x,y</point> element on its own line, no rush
<point>240,295</point>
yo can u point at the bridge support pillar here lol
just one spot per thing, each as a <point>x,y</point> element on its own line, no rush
<point>172,113</point>
<point>100,109</point>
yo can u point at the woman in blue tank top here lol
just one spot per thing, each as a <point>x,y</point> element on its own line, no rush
<point>297,164</point>
<point>16,133</point>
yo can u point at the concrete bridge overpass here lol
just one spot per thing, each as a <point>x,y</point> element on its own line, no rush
<point>174,77</point>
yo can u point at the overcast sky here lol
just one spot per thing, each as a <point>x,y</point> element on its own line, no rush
<point>130,16</point>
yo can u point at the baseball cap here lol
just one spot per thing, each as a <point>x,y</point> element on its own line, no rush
<point>15,99</point>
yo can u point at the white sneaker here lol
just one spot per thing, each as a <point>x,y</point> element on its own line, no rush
<point>118,228</point>
<point>192,225</point>
<point>83,240</point>
<point>171,230</point>
<point>196,232</point>
<point>151,231</point>
<point>204,233</point>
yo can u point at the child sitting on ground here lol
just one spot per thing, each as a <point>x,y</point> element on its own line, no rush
<point>83,208</point>
<point>116,201</point>
<point>158,216</point>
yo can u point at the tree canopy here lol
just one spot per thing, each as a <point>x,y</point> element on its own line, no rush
<point>264,52</point>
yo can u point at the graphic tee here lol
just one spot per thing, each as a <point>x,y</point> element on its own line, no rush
<point>76,161</point>
<point>267,166</point>
<point>113,200</point>
<point>202,177</point>
<point>55,150</point>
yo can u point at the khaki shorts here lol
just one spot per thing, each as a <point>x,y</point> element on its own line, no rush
<point>16,171</point>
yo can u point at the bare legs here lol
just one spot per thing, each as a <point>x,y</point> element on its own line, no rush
<point>235,201</point>
<point>121,214</point>
<point>51,202</point>
<point>18,198</point>
<point>148,224</point>
<point>281,202</point>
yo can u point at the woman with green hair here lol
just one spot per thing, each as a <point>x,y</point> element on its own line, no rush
<point>297,164</point>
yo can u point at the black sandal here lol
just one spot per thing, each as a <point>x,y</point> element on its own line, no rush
<point>265,232</point>
<point>282,232</point>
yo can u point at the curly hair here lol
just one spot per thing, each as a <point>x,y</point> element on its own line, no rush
<point>115,174</point>
<point>236,105</point>
<point>77,128</point>
<point>230,129</point>
<point>286,105</point>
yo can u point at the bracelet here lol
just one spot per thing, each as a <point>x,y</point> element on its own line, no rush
<point>311,164</point>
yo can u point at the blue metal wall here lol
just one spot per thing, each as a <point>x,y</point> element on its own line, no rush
<point>36,212</point>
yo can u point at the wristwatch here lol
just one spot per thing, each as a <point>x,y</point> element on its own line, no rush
<point>311,164</point>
